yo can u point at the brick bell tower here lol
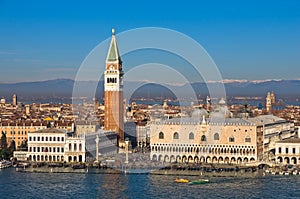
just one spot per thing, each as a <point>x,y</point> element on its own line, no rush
<point>113,91</point>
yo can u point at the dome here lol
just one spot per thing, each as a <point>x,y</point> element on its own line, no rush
<point>198,113</point>
<point>222,101</point>
<point>221,111</point>
<point>217,115</point>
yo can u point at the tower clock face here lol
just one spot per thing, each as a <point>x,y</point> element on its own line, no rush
<point>111,67</point>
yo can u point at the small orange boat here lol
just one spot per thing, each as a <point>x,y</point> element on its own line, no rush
<point>181,180</point>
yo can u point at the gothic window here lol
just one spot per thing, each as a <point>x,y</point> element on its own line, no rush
<point>247,139</point>
<point>203,138</point>
<point>216,136</point>
<point>111,80</point>
<point>161,135</point>
<point>231,139</point>
<point>175,135</point>
<point>191,136</point>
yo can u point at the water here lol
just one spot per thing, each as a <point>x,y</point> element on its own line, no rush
<point>71,185</point>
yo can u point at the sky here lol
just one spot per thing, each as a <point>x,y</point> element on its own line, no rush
<point>253,40</point>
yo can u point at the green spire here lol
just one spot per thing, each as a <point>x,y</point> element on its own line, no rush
<point>113,52</point>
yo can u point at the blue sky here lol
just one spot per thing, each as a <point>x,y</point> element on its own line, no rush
<point>252,40</point>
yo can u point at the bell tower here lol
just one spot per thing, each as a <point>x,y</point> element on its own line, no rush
<point>269,102</point>
<point>113,91</point>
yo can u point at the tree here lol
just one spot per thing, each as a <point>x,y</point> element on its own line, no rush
<point>3,143</point>
<point>12,146</point>
<point>23,146</point>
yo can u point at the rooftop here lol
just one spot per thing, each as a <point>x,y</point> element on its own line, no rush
<point>49,130</point>
<point>290,140</point>
<point>210,121</point>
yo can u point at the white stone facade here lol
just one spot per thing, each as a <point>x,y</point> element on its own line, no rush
<point>53,145</point>
<point>46,145</point>
<point>232,140</point>
<point>75,149</point>
<point>288,151</point>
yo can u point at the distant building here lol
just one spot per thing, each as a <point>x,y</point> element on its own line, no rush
<point>15,100</point>
<point>142,133</point>
<point>27,109</point>
<point>275,129</point>
<point>2,101</point>
<point>86,127</point>
<point>269,103</point>
<point>273,101</point>
<point>18,131</point>
<point>208,103</point>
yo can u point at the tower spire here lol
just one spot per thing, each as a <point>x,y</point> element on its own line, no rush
<point>113,52</point>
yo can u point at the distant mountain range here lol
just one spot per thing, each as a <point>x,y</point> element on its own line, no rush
<point>61,89</point>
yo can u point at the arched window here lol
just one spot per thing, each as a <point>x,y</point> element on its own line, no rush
<point>75,147</point>
<point>216,136</point>
<point>175,135</point>
<point>191,136</point>
<point>161,135</point>
<point>231,139</point>
<point>203,138</point>
<point>247,139</point>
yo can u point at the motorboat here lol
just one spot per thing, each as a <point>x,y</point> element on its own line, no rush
<point>200,181</point>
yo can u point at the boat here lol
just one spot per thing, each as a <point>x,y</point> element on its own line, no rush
<point>79,166</point>
<point>181,180</point>
<point>5,164</point>
<point>281,173</point>
<point>295,172</point>
<point>200,181</point>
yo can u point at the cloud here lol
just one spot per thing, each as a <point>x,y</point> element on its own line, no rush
<point>26,60</point>
<point>60,70</point>
<point>7,53</point>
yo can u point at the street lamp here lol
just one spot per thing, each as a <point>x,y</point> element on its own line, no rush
<point>126,142</point>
